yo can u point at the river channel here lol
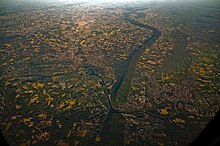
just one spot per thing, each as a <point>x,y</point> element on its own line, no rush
<point>114,125</point>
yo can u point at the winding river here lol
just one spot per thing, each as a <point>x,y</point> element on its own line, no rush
<point>112,133</point>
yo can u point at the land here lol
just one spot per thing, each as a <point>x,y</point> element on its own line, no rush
<point>137,73</point>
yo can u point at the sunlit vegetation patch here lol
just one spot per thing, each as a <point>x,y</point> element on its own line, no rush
<point>40,105</point>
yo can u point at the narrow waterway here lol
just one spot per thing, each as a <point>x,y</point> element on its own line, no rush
<point>121,88</point>
<point>113,130</point>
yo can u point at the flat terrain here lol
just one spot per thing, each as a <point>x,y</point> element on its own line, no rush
<point>107,73</point>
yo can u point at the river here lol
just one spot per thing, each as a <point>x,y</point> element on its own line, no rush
<point>114,125</point>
